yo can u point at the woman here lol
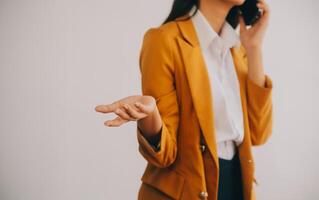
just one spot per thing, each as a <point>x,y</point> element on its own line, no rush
<point>206,101</point>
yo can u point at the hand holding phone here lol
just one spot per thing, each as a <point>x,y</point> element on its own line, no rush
<point>252,36</point>
<point>250,12</point>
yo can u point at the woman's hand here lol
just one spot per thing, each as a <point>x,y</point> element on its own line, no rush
<point>131,108</point>
<point>252,37</point>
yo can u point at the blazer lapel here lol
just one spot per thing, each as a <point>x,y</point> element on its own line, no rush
<point>199,83</point>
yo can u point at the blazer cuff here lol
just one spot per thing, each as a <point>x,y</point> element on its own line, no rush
<point>259,95</point>
<point>143,141</point>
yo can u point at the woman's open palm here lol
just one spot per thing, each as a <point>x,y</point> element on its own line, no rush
<point>131,108</point>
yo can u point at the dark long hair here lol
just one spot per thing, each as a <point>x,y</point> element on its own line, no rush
<point>182,7</point>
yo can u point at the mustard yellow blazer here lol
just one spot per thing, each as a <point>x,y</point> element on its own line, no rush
<point>174,73</point>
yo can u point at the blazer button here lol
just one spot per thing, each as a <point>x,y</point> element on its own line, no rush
<point>203,195</point>
<point>202,147</point>
<point>250,161</point>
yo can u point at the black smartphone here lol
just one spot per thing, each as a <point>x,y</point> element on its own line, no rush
<point>250,11</point>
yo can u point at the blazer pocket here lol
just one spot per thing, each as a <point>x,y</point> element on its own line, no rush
<point>168,182</point>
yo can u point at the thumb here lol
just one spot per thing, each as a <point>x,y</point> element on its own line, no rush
<point>242,23</point>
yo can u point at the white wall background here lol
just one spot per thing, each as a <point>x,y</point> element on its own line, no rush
<point>60,58</point>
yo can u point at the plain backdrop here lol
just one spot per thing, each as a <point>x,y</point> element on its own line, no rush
<point>61,58</point>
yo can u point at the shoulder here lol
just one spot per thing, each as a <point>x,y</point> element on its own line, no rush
<point>159,47</point>
<point>164,34</point>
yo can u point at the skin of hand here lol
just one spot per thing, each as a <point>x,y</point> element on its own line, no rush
<point>252,38</point>
<point>140,108</point>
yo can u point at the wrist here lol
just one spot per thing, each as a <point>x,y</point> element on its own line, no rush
<point>253,50</point>
<point>151,115</point>
<point>150,124</point>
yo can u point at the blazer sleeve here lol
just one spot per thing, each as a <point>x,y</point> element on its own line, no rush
<point>259,108</point>
<point>157,79</point>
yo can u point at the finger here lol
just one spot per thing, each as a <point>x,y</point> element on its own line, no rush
<point>106,108</point>
<point>265,12</point>
<point>242,23</point>
<point>143,108</point>
<point>133,113</point>
<point>137,107</point>
<point>264,7</point>
<point>115,122</point>
<point>122,113</point>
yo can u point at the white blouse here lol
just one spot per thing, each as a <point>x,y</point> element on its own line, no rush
<point>227,107</point>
